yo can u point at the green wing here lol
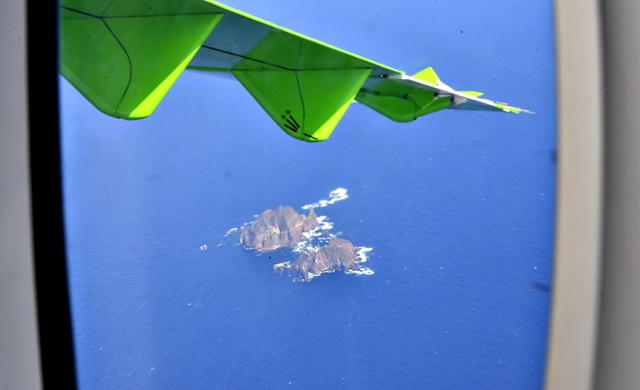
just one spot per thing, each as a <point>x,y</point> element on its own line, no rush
<point>124,56</point>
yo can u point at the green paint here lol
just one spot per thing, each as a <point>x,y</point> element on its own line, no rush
<point>307,105</point>
<point>428,75</point>
<point>437,105</point>
<point>124,56</point>
<point>401,102</point>
<point>507,108</point>
<point>327,94</point>
<point>394,108</point>
<point>159,48</point>
<point>277,92</point>
<point>93,62</point>
<point>150,100</point>
<point>473,93</point>
<point>126,65</point>
<point>94,7</point>
<point>404,108</point>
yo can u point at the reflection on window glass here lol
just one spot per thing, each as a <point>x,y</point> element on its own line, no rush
<point>249,208</point>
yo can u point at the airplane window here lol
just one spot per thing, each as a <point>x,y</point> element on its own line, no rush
<point>250,208</point>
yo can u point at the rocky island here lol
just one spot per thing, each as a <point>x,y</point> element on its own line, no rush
<point>308,235</point>
<point>339,255</point>
<point>279,228</point>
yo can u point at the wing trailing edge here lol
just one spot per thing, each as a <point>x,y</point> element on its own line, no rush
<point>125,55</point>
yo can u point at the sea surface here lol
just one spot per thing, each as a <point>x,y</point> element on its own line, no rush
<point>457,207</point>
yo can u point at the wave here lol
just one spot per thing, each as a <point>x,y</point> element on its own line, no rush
<point>362,271</point>
<point>362,254</point>
<point>231,231</point>
<point>280,267</point>
<point>337,195</point>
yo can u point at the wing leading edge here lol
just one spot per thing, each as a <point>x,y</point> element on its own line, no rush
<point>124,56</point>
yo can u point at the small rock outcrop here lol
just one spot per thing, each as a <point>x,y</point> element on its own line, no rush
<point>275,229</point>
<point>339,255</point>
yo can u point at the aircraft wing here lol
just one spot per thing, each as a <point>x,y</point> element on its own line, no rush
<point>124,56</point>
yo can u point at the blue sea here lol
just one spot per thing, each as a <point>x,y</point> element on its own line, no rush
<point>457,206</point>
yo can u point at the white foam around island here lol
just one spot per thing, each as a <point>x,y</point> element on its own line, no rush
<point>313,233</point>
<point>362,254</point>
<point>282,266</point>
<point>326,226</point>
<point>231,231</point>
<point>337,195</point>
<point>362,271</point>
<point>300,247</point>
<point>312,275</point>
<point>323,220</point>
<point>315,236</point>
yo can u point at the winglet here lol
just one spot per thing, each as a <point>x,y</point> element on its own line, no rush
<point>473,93</point>
<point>429,75</point>
<point>514,110</point>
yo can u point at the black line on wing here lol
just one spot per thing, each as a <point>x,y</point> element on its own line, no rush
<point>290,128</point>
<point>294,120</point>
<point>310,136</point>
<point>304,111</point>
<point>246,57</point>
<point>124,93</point>
<point>292,124</point>
<point>80,12</point>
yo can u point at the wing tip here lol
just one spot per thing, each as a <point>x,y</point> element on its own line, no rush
<point>514,110</point>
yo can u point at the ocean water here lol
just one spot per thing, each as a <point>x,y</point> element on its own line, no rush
<point>458,208</point>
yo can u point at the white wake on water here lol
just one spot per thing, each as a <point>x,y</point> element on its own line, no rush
<point>337,195</point>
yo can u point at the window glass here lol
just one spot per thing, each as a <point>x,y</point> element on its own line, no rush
<point>212,245</point>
